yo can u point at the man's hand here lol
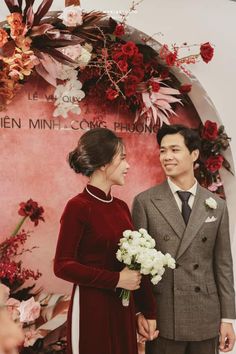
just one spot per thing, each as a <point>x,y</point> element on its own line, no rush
<point>146,329</point>
<point>227,337</point>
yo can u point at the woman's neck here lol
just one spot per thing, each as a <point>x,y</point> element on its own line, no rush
<point>100,183</point>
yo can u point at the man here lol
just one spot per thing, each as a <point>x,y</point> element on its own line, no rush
<point>196,301</point>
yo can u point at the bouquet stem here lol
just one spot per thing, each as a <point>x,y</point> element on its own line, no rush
<point>125,295</point>
<point>17,229</point>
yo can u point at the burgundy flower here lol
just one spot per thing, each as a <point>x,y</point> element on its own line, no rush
<point>206,52</point>
<point>119,31</point>
<point>185,88</point>
<point>214,163</point>
<point>210,130</point>
<point>31,209</point>
<point>111,94</point>
<point>129,49</point>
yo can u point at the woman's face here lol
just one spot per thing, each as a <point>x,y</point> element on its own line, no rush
<point>116,170</point>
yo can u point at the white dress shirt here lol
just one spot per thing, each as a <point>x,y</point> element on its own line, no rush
<point>193,190</point>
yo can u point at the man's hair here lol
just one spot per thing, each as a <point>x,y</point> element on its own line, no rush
<point>191,137</point>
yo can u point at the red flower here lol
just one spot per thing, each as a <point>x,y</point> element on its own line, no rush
<point>31,209</point>
<point>118,56</point>
<point>155,86</point>
<point>111,94</point>
<point>164,74</point>
<point>123,65</point>
<point>214,163</point>
<point>119,31</point>
<point>210,130</point>
<point>129,49</point>
<point>206,52</point>
<point>137,59</point>
<point>171,58</point>
<point>138,73</point>
<point>185,88</point>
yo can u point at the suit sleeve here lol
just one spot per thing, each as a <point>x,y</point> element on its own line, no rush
<point>223,267</point>
<point>139,215</point>
<point>66,265</point>
<point>144,298</point>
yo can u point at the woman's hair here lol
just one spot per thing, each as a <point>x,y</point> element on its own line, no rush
<point>96,148</point>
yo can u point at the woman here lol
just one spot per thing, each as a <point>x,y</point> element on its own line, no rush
<point>91,226</point>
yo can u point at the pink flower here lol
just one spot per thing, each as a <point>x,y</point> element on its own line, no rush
<point>29,310</point>
<point>72,16</point>
<point>214,186</point>
<point>30,337</point>
<point>13,308</point>
<point>4,293</point>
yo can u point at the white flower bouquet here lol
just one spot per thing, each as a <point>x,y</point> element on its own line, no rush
<point>137,251</point>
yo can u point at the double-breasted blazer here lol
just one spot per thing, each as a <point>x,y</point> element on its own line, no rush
<point>192,299</point>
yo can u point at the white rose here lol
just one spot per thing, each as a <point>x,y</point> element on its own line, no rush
<point>72,16</point>
<point>156,279</point>
<point>84,58</point>
<point>127,233</point>
<point>211,203</point>
<point>119,255</point>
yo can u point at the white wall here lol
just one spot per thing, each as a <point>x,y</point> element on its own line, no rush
<point>193,22</point>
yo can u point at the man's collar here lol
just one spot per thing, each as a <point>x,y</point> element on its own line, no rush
<point>174,188</point>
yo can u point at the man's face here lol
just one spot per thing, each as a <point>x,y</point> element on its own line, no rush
<point>175,158</point>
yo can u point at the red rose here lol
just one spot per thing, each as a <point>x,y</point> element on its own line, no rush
<point>210,130</point>
<point>123,65</point>
<point>129,49</point>
<point>155,86</point>
<point>119,31</point>
<point>171,58</point>
<point>118,56</point>
<point>111,94</point>
<point>137,59</point>
<point>185,88</point>
<point>138,73</point>
<point>206,52</point>
<point>214,163</point>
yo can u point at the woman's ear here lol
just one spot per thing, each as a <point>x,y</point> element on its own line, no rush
<point>103,168</point>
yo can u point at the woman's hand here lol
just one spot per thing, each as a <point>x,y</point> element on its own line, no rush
<point>129,279</point>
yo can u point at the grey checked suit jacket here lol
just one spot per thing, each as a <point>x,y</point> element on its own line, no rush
<point>193,298</point>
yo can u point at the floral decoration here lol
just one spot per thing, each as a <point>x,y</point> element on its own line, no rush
<point>89,54</point>
<point>12,272</point>
<point>214,141</point>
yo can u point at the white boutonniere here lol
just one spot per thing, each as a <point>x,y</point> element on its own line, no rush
<point>211,203</point>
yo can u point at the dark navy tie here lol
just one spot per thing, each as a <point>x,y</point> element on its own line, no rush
<point>186,210</point>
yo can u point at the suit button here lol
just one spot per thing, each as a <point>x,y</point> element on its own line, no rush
<point>197,289</point>
<point>195,266</point>
<point>166,237</point>
<point>204,239</point>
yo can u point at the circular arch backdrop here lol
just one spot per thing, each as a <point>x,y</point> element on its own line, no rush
<point>34,147</point>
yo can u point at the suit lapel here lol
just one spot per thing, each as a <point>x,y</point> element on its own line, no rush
<point>197,218</point>
<point>165,202</point>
